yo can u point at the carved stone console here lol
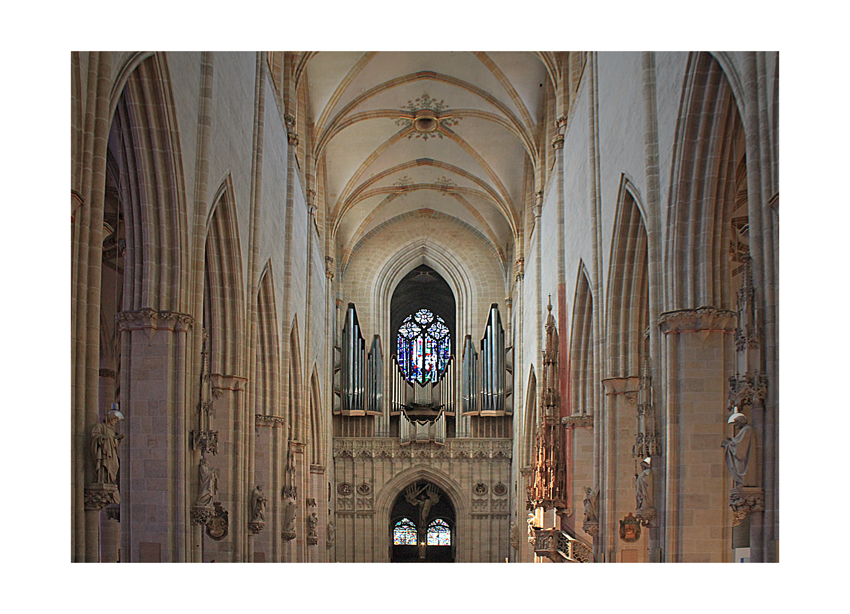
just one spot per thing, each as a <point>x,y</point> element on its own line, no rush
<point>744,501</point>
<point>98,496</point>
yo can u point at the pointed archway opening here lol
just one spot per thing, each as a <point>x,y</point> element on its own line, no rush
<point>422,525</point>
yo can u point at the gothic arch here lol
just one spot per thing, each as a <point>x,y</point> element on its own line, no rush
<point>223,265</point>
<point>581,345</point>
<point>145,145</point>
<point>628,285</point>
<point>296,409</point>
<point>316,423</point>
<point>386,497</point>
<point>268,346</point>
<point>707,152</point>
<point>530,429</point>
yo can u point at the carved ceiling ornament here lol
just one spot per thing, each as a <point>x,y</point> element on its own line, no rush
<point>427,117</point>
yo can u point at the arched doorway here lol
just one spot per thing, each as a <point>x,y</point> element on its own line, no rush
<point>422,525</point>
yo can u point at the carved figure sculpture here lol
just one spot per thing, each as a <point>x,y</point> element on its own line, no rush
<point>514,536</point>
<point>740,449</point>
<point>331,536</point>
<point>105,448</point>
<point>591,513</point>
<point>258,505</point>
<point>530,522</point>
<point>424,500</point>
<point>207,483</point>
<point>643,485</point>
<point>289,515</point>
<point>312,525</point>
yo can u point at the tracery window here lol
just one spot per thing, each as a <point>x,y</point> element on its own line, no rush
<point>404,533</point>
<point>439,533</point>
<point>424,346</point>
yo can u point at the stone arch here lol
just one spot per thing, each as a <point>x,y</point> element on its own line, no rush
<point>708,149</point>
<point>268,346</point>
<point>317,427</point>
<point>581,345</point>
<point>296,410</point>
<point>628,285</point>
<point>146,147</point>
<point>530,431</point>
<point>386,497</point>
<point>223,277</point>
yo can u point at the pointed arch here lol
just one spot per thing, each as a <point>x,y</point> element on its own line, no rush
<point>146,148</point>
<point>268,346</point>
<point>317,428</point>
<point>581,345</point>
<point>530,429</point>
<point>628,285</point>
<point>296,410</point>
<point>708,150</point>
<point>223,279</point>
<point>385,498</point>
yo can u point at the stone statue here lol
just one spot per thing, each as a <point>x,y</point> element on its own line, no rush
<point>330,540</point>
<point>514,536</point>
<point>289,514</point>
<point>643,485</point>
<point>424,500</point>
<point>740,449</point>
<point>207,484</point>
<point>104,447</point>
<point>530,522</point>
<point>258,505</point>
<point>591,509</point>
<point>312,525</point>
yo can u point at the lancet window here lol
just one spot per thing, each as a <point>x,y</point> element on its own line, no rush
<point>424,347</point>
<point>404,533</point>
<point>439,533</point>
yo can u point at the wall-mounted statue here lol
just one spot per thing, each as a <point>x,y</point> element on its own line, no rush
<point>207,483</point>
<point>313,525</point>
<point>739,450</point>
<point>330,540</point>
<point>289,508</point>
<point>530,521</point>
<point>258,505</point>
<point>104,447</point>
<point>643,485</point>
<point>591,505</point>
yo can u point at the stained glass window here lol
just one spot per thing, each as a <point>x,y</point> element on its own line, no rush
<point>404,533</point>
<point>424,347</point>
<point>439,533</point>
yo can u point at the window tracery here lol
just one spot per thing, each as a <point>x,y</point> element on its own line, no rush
<point>404,533</point>
<point>424,347</point>
<point>439,533</point>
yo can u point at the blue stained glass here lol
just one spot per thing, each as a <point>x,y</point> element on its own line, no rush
<point>439,533</point>
<point>424,346</point>
<point>404,533</point>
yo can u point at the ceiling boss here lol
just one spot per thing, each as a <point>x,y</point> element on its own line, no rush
<point>427,117</point>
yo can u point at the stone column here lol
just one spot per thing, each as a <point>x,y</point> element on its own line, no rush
<point>110,535</point>
<point>617,498</point>
<point>699,350</point>
<point>154,404</point>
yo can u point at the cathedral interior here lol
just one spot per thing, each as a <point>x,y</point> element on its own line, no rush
<point>472,307</point>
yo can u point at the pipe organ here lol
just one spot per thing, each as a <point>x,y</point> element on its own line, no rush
<point>485,387</point>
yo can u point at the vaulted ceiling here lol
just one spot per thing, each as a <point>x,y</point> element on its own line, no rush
<point>396,132</point>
